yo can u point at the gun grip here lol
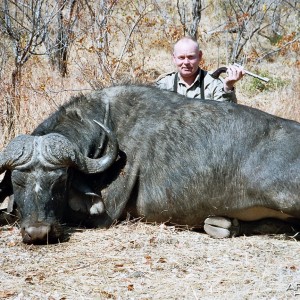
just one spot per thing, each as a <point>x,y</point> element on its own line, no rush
<point>218,72</point>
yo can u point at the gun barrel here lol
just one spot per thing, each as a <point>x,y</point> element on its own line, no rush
<point>253,75</point>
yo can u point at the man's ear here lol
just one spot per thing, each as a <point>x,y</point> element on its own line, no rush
<point>200,55</point>
<point>174,58</point>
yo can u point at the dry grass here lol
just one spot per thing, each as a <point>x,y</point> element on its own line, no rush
<point>136,260</point>
<point>140,261</point>
<point>279,97</point>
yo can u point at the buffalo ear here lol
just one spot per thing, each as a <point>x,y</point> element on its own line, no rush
<point>6,186</point>
<point>6,200</point>
<point>10,205</point>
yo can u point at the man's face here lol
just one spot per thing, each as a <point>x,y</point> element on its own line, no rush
<point>186,57</point>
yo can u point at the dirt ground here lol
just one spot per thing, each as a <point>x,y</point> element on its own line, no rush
<point>135,260</point>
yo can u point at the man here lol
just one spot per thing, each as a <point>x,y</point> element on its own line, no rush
<point>191,81</point>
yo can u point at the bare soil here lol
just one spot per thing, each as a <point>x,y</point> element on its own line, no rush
<point>135,260</point>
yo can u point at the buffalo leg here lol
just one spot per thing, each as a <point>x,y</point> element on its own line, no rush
<point>221,227</point>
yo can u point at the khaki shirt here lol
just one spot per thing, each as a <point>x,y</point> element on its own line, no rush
<point>213,88</point>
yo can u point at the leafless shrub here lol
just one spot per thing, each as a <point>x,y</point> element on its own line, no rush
<point>26,25</point>
<point>257,21</point>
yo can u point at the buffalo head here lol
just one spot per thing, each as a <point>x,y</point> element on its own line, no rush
<point>40,169</point>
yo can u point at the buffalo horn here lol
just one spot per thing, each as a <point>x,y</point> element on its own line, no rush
<point>53,150</point>
<point>17,152</point>
<point>89,165</point>
<point>101,164</point>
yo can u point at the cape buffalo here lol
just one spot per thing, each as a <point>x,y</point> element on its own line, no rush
<point>158,155</point>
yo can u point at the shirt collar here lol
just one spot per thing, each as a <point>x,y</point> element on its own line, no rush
<point>196,79</point>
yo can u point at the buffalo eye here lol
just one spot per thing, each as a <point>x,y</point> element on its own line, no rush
<point>19,178</point>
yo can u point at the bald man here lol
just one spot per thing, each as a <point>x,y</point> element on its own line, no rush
<point>193,82</point>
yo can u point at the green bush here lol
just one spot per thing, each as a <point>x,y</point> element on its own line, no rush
<point>254,85</point>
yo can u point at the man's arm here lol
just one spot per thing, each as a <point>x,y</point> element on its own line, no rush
<point>165,81</point>
<point>214,90</point>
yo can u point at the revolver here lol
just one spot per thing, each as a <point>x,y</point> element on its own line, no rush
<point>217,73</point>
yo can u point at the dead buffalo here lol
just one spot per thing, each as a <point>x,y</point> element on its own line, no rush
<point>159,156</point>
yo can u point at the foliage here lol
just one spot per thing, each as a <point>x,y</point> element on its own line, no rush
<point>255,85</point>
<point>26,25</point>
<point>51,49</point>
<point>266,21</point>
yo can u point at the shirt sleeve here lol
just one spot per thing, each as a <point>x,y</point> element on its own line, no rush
<point>215,90</point>
<point>165,82</point>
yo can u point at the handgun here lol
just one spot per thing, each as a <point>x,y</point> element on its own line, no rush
<point>217,73</point>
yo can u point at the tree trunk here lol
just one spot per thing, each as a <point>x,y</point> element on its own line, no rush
<point>14,103</point>
<point>196,15</point>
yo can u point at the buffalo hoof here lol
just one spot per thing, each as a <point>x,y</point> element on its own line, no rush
<point>220,227</point>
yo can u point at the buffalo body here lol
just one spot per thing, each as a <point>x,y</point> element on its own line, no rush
<point>179,161</point>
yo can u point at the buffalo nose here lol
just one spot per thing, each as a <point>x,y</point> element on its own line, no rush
<point>33,234</point>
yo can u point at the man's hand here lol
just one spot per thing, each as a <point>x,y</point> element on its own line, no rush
<point>234,74</point>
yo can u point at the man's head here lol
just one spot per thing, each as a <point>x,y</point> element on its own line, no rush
<point>186,56</point>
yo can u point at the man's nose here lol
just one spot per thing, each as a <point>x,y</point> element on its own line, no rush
<point>186,61</point>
